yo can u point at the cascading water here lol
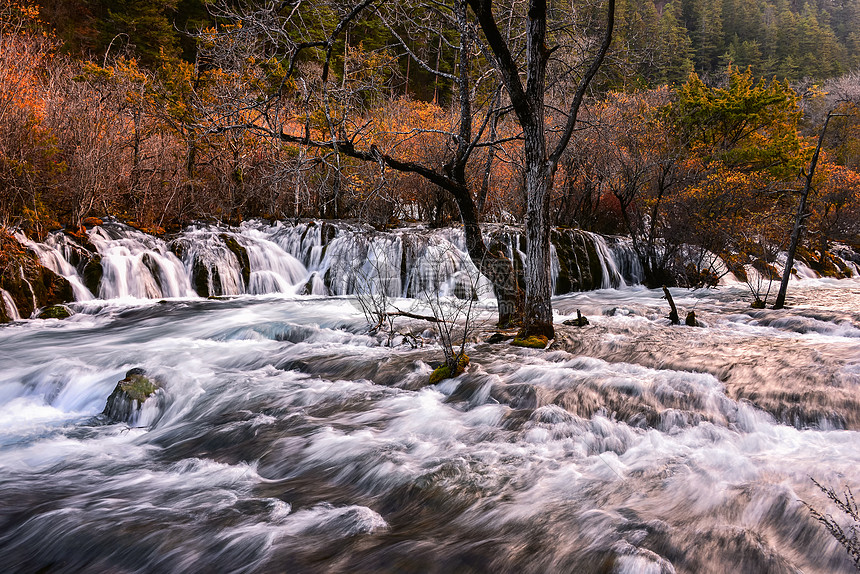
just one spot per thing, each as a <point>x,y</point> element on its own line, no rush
<point>286,438</point>
<point>9,305</point>
<point>116,261</point>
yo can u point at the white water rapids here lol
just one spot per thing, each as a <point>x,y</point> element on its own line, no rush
<point>286,439</point>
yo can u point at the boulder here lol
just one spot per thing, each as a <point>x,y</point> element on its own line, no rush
<point>202,276</point>
<point>129,395</point>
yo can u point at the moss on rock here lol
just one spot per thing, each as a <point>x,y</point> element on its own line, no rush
<point>29,284</point>
<point>129,394</point>
<point>444,372</point>
<point>55,312</point>
<point>579,266</point>
<point>533,342</point>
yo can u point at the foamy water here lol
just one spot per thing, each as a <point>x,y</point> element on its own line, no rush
<point>288,439</point>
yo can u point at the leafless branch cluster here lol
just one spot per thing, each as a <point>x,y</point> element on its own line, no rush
<point>847,536</point>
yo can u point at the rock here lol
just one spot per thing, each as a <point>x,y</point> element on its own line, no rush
<point>154,269</point>
<point>308,287</point>
<point>534,342</point>
<point>499,338</point>
<point>691,321</point>
<point>757,304</point>
<point>93,272</point>
<point>241,254</point>
<point>92,222</point>
<point>580,321</point>
<point>52,289</point>
<point>578,261</point>
<point>178,249</point>
<point>55,312</point>
<point>202,276</point>
<point>129,395</point>
<point>5,314</point>
<point>443,372</point>
<point>327,233</point>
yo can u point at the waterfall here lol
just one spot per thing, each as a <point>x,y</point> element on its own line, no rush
<point>9,305</point>
<point>56,253</point>
<point>315,258</point>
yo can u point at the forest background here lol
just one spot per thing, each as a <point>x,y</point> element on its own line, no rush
<point>696,133</point>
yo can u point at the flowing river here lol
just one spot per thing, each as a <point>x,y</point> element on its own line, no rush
<point>287,439</point>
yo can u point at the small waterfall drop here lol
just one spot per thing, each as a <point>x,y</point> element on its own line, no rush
<point>9,305</point>
<point>314,258</point>
<point>55,254</point>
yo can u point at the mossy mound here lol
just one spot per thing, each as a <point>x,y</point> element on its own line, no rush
<point>129,394</point>
<point>823,263</point>
<point>55,312</point>
<point>533,342</point>
<point>578,261</point>
<point>26,280</point>
<point>444,372</point>
<point>580,321</point>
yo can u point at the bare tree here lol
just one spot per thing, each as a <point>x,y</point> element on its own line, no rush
<point>281,33</point>
<point>448,289</point>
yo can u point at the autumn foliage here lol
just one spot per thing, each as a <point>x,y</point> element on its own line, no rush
<point>687,172</point>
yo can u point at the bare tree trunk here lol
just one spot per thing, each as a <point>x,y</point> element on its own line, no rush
<point>800,218</point>
<point>537,318</point>
<point>528,105</point>
<point>494,266</point>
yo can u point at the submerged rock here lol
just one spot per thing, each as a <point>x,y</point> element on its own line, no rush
<point>580,321</point>
<point>55,312</point>
<point>129,395</point>
<point>499,338</point>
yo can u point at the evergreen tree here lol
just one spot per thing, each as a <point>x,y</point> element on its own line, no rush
<point>676,49</point>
